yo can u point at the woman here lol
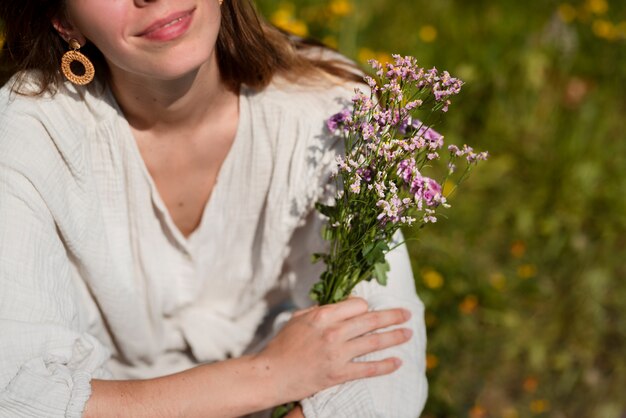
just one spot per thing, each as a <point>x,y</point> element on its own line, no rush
<point>151,219</point>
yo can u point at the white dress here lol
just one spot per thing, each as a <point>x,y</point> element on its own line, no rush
<point>96,281</point>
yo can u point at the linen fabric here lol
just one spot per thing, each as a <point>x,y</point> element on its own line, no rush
<point>97,282</point>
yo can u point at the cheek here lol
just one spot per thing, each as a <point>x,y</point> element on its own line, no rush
<point>100,21</point>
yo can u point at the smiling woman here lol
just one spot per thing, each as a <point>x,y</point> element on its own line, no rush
<point>155,222</point>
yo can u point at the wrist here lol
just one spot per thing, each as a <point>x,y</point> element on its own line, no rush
<point>268,380</point>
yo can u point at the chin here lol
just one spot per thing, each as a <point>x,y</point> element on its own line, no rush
<point>174,69</point>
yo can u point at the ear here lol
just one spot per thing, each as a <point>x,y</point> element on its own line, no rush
<point>67,30</point>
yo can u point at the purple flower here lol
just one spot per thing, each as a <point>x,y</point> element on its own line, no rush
<point>432,192</point>
<point>429,216</point>
<point>413,104</point>
<point>454,150</point>
<point>338,120</point>
<point>376,66</point>
<point>426,190</point>
<point>368,130</point>
<point>371,83</point>
<point>405,170</point>
<point>365,173</point>
<point>432,137</point>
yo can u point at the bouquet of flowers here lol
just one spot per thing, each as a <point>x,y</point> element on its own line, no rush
<point>383,181</point>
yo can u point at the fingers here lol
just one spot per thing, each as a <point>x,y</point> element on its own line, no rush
<point>340,311</point>
<point>337,312</point>
<point>359,370</point>
<point>378,341</point>
<point>372,321</point>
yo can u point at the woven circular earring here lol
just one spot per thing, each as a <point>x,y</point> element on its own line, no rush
<point>72,56</point>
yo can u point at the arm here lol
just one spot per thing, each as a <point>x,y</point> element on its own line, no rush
<point>47,357</point>
<point>312,352</point>
<point>228,388</point>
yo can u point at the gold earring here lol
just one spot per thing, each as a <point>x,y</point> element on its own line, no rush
<point>221,2</point>
<point>71,56</point>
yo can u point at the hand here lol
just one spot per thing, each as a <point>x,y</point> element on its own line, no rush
<point>316,347</point>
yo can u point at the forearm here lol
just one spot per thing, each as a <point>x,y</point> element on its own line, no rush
<point>229,388</point>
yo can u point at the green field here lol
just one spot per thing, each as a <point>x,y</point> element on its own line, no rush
<point>525,282</point>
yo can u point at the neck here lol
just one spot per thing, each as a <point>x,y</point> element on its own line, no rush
<point>162,105</point>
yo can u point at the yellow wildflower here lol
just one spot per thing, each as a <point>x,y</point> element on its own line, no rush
<point>284,13</point>
<point>526,271</point>
<point>432,279</point>
<point>539,406</point>
<point>284,18</point>
<point>298,27</point>
<point>340,7</point>
<point>567,12</point>
<point>604,29</point>
<point>428,33</point>
<point>598,7</point>
<point>383,57</point>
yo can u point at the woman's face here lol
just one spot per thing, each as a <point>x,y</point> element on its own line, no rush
<point>161,39</point>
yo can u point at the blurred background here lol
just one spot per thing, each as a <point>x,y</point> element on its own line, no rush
<point>525,283</point>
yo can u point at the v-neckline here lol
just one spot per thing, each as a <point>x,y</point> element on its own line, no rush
<point>157,200</point>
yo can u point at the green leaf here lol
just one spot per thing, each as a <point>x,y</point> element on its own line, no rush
<point>339,294</point>
<point>282,410</point>
<point>317,291</point>
<point>325,210</point>
<point>328,233</point>
<point>317,257</point>
<point>380,272</point>
<point>375,252</point>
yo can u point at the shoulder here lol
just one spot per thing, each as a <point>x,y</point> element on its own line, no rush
<point>312,98</point>
<point>39,130</point>
<point>293,117</point>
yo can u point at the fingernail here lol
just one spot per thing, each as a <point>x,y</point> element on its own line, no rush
<point>406,313</point>
<point>407,332</point>
<point>397,362</point>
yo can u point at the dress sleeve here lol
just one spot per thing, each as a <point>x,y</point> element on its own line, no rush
<point>47,359</point>
<point>400,394</point>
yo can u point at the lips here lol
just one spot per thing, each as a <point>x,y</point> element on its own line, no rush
<point>168,26</point>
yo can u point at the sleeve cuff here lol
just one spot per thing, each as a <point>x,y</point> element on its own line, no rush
<point>81,391</point>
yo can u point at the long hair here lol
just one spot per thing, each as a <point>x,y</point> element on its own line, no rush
<point>250,51</point>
